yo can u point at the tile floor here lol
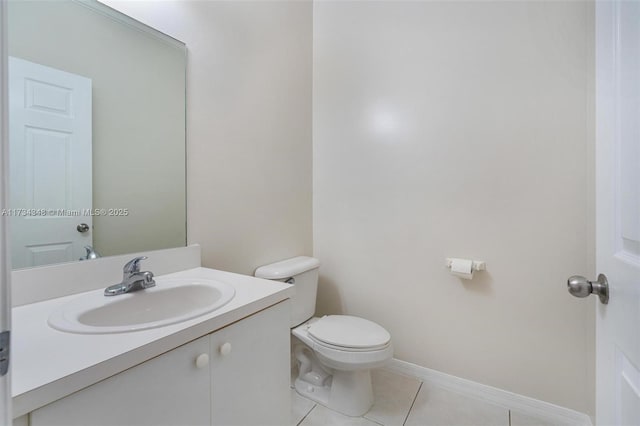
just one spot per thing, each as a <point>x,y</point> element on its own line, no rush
<point>402,400</point>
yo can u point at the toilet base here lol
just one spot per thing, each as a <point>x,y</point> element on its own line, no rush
<point>347,392</point>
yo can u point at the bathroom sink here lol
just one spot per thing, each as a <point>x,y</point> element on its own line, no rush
<point>169,302</point>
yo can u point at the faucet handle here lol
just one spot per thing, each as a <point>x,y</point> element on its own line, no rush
<point>133,266</point>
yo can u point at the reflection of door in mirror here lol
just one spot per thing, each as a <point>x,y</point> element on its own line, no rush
<point>50,164</point>
<point>137,109</point>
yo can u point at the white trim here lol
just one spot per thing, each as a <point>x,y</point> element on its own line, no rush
<point>5,261</point>
<point>120,17</point>
<point>554,414</point>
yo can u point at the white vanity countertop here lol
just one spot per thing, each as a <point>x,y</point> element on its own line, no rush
<point>48,364</point>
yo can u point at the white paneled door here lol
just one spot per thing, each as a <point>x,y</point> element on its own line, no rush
<point>50,164</point>
<point>618,211</point>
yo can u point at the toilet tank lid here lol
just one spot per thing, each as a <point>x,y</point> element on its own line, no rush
<point>287,268</point>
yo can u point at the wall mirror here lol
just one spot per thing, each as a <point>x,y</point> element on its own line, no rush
<point>96,133</point>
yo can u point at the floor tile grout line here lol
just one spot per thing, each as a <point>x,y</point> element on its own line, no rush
<point>306,415</point>
<point>412,403</point>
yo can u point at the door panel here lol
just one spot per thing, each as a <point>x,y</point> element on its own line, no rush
<point>50,164</point>
<point>618,211</point>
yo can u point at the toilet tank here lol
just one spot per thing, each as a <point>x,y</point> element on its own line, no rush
<point>302,272</point>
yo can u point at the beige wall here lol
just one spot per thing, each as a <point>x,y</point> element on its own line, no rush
<point>138,117</point>
<point>440,130</point>
<point>459,129</point>
<point>248,125</point>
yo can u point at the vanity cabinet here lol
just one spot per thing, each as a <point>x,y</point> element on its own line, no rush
<point>250,370</point>
<point>166,390</point>
<point>238,375</point>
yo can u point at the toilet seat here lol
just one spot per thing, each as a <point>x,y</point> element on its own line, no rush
<point>322,345</point>
<point>348,333</point>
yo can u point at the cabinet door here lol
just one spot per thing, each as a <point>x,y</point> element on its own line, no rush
<point>250,371</point>
<point>167,390</point>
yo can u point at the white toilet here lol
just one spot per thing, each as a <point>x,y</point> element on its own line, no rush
<point>337,351</point>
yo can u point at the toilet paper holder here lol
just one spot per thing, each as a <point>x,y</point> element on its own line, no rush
<point>477,265</point>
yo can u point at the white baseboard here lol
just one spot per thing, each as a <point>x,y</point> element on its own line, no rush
<point>551,413</point>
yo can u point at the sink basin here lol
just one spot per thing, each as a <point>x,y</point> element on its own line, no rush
<point>169,302</point>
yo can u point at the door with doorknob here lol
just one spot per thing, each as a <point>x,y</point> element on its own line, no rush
<point>50,164</point>
<point>617,214</point>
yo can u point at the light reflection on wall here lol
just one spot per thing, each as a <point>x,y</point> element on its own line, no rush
<point>385,123</point>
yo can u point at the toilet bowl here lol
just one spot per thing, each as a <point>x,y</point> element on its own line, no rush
<point>345,348</point>
<point>334,353</point>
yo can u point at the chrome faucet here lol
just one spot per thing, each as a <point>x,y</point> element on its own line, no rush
<point>91,254</point>
<point>132,279</point>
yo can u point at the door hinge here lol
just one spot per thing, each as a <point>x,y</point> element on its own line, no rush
<point>5,341</point>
